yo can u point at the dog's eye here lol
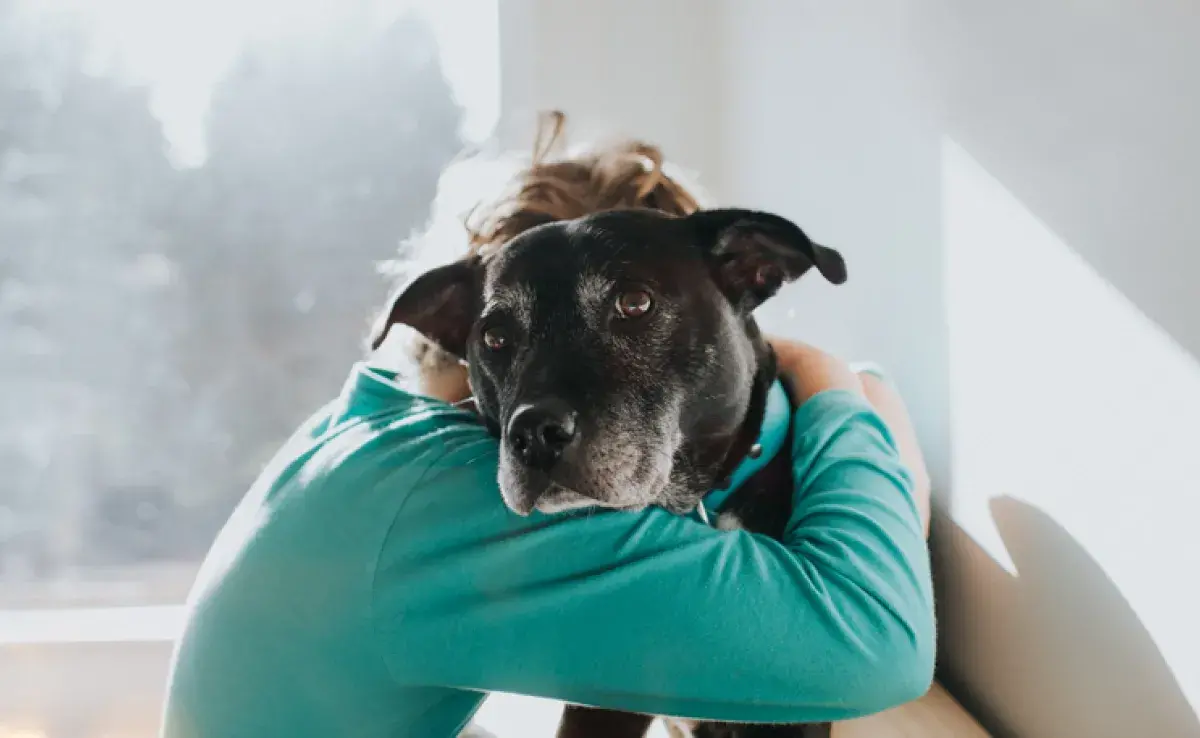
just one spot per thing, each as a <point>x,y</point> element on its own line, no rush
<point>634,304</point>
<point>495,339</point>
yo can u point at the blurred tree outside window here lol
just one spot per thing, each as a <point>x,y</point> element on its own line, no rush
<point>172,308</point>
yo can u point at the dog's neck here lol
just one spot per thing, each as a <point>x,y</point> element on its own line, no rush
<point>705,467</point>
<point>747,434</point>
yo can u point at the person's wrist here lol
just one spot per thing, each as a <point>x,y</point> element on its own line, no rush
<point>809,371</point>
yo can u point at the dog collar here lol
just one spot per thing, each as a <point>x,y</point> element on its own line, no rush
<point>776,419</point>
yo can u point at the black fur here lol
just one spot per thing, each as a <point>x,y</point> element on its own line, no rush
<point>599,403</point>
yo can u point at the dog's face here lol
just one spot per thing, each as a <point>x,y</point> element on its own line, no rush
<point>614,355</point>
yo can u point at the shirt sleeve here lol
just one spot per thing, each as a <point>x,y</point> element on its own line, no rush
<point>656,613</point>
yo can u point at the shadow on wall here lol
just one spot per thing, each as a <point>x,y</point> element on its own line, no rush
<point>1066,400</point>
<point>1065,625</point>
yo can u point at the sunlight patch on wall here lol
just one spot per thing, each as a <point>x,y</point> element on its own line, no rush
<point>1066,396</point>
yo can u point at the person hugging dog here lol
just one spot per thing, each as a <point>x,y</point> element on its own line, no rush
<point>374,582</point>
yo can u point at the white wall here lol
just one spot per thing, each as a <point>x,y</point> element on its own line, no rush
<point>618,68</point>
<point>1013,185</point>
<point>825,124</point>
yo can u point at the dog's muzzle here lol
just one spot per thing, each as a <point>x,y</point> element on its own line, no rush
<point>540,433</point>
<point>540,438</point>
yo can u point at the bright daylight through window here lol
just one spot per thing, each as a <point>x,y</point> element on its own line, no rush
<point>193,199</point>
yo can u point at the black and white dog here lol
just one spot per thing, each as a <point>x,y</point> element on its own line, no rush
<point>617,360</point>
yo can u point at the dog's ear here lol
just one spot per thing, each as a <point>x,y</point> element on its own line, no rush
<point>753,254</point>
<point>441,304</point>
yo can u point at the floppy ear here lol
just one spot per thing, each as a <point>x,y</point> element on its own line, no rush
<point>441,304</point>
<point>753,253</point>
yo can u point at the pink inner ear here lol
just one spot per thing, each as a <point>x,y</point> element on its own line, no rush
<point>767,274</point>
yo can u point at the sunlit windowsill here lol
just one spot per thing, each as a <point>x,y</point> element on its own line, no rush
<point>147,624</point>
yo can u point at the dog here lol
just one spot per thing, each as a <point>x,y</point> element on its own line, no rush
<point>617,359</point>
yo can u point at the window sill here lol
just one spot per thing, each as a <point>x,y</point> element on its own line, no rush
<point>150,624</point>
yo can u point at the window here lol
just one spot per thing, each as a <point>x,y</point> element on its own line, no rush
<point>194,196</point>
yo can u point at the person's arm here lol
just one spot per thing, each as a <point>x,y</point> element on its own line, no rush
<point>887,401</point>
<point>652,612</point>
<point>810,370</point>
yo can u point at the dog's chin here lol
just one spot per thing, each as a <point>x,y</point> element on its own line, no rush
<point>557,499</point>
<point>520,486</point>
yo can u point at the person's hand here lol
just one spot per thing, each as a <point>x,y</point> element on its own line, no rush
<point>809,371</point>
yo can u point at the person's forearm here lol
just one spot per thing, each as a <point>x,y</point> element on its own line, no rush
<point>890,406</point>
<point>809,370</point>
<point>856,517</point>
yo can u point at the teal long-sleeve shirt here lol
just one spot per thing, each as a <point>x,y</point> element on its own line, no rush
<point>372,583</point>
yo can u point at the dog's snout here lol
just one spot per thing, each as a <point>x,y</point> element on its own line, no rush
<point>539,432</point>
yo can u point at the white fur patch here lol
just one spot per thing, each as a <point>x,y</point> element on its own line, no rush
<point>563,501</point>
<point>677,728</point>
<point>729,521</point>
<point>517,300</point>
<point>590,292</point>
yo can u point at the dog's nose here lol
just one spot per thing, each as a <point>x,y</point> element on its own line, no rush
<point>539,432</point>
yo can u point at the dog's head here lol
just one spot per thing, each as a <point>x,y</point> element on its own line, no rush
<point>615,355</point>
